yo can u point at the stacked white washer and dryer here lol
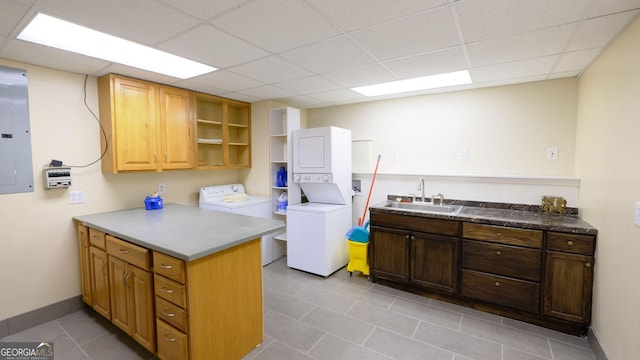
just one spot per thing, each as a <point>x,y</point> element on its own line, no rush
<point>232,198</point>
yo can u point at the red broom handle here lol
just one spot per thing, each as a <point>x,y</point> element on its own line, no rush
<point>366,206</point>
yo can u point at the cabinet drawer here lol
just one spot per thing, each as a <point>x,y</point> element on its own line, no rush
<point>572,243</point>
<point>172,343</point>
<point>503,235</point>
<point>416,223</point>
<point>169,267</point>
<point>171,313</point>
<point>170,290</point>
<point>517,294</point>
<point>519,262</point>
<point>133,254</point>
<point>97,238</point>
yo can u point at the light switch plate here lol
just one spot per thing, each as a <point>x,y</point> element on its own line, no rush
<point>637,217</point>
<point>395,155</point>
<point>462,154</point>
<point>552,153</point>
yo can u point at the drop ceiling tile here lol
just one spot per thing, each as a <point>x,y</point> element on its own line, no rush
<point>276,25</point>
<point>514,70</point>
<point>267,92</point>
<point>138,73</point>
<point>143,21</point>
<point>356,14</point>
<point>200,87</point>
<point>599,31</point>
<point>338,96</point>
<point>577,60</point>
<point>521,46</point>
<point>437,62</point>
<point>512,81</point>
<point>45,56</point>
<point>270,70</point>
<point>226,80</point>
<point>308,85</point>
<point>361,75</point>
<point>486,19</point>
<point>241,97</point>
<point>26,2</point>
<point>204,9</point>
<point>411,35</point>
<point>301,101</point>
<point>328,55</point>
<point>212,47</point>
<point>10,15</point>
<point>600,8</point>
<point>561,75</point>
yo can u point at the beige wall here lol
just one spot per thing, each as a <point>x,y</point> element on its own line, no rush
<point>506,130</point>
<point>39,256</point>
<point>608,163</point>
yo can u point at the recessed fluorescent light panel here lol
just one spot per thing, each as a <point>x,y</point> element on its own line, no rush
<point>49,31</point>
<point>421,83</point>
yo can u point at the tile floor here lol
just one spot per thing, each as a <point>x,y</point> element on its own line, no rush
<point>341,317</point>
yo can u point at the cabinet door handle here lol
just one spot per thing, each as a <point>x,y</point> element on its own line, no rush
<point>497,283</point>
<point>155,157</point>
<point>569,242</point>
<point>166,337</point>
<point>587,265</point>
<point>125,278</point>
<point>168,291</point>
<point>123,251</point>
<point>164,266</point>
<point>165,156</point>
<point>498,252</point>
<point>407,237</point>
<point>413,237</point>
<point>167,314</point>
<point>104,272</point>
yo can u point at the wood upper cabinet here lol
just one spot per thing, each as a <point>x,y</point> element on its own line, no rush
<point>569,276</point>
<point>149,126</point>
<point>434,260</point>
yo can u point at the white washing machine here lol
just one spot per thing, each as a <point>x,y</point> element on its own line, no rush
<point>232,198</point>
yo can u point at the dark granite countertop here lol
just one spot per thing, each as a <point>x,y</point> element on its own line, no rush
<point>513,215</point>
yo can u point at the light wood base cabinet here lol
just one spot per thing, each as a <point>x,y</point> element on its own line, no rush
<point>209,308</point>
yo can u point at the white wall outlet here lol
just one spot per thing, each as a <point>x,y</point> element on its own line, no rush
<point>76,197</point>
<point>162,188</point>
<point>395,155</point>
<point>462,154</point>
<point>552,153</point>
<point>637,218</point>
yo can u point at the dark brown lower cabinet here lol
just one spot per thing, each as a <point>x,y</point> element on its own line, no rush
<point>568,286</point>
<point>390,254</point>
<point>434,260</point>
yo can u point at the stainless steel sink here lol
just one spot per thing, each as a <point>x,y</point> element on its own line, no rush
<point>425,207</point>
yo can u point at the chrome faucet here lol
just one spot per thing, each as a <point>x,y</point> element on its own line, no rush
<point>421,188</point>
<point>439,196</point>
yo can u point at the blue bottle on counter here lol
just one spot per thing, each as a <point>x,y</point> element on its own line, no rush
<point>281,179</point>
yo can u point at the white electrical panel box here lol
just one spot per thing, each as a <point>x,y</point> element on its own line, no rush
<point>56,177</point>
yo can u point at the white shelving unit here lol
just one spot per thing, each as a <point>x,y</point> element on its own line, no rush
<point>282,122</point>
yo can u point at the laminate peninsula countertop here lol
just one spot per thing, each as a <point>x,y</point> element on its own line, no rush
<point>185,232</point>
<point>511,215</point>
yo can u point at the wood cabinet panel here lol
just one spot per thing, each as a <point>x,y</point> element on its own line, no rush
<point>434,260</point>
<point>85,264</point>
<point>568,286</point>
<point>416,223</point>
<point>140,286</point>
<point>97,239</point>
<point>170,290</point>
<point>390,253</point>
<point>172,344</point>
<point>169,267</point>
<point>503,235</point>
<point>518,262</point>
<point>100,281</point>
<point>171,313</point>
<point>176,129</point>
<point>571,243</point>
<point>132,254</point>
<point>517,294</point>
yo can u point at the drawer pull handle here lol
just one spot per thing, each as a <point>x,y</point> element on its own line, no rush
<point>407,236</point>
<point>569,242</point>
<point>167,314</point>
<point>499,235</point>
<point>166,337</point>
<point>498,252</point>
<point>168,291</point>
<point>122,251</point>
<point>587,264</point>
<point>164,266</point>
<point>413,237</point>
<point>497,283</point>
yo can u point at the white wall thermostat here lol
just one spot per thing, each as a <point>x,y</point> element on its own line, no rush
<point>56,177</point>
